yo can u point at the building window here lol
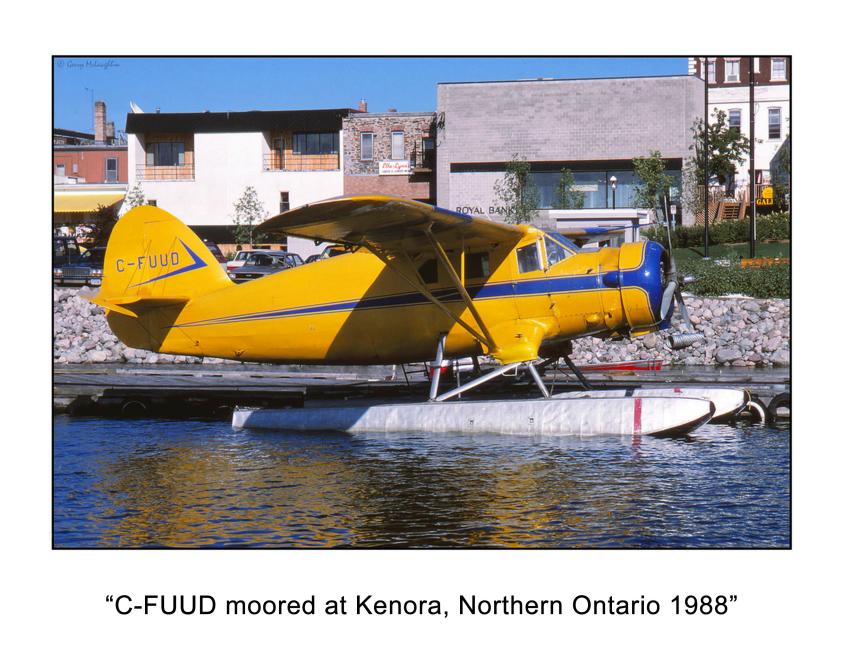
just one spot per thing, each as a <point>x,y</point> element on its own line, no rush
<point>777,68</point>
<point>315,143</point>
<point>74,168</point>
<point>366,141</point>
<point>774,123</point>
<point>397,145</point>
<point>733,70</point>
<point>60,169</point>
<point>284,201</point>
<point>710,68</point>
<point>151,202</point>
<point>112,169</point>
<point>735,120</point>
<point>165,153</point>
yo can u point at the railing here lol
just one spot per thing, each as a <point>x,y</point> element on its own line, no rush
<point>276,161</point>
<point>181,172</point>
<point>422,160</point>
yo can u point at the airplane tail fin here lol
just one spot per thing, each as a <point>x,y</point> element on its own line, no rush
<point>154,265</point>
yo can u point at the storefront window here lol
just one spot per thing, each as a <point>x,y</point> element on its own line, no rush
<point>595,188</point>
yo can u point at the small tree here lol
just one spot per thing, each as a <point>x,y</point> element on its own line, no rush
<point>247,212</point>
<point>727,148</point>
<point>134,197</point>
<point>654,184</point>
<point>566,196</point>
<point>517,192</point>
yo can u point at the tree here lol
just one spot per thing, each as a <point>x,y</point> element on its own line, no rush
<point>566,196</point>
<point>517,192</point>
<point>727,148</point>
<point>654,184</point>
<point>247,212</point>
<point>134,197</point>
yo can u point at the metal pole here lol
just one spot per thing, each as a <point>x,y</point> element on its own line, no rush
<point>752,162</point>
<point>435,371</point>
<point>705,161</point>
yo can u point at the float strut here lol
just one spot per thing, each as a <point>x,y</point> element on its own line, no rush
<point>536,376</point>
<point>490,375</point>
<point>579,375</point>
<point>435,370</point>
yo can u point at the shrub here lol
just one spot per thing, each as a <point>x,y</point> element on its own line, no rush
<point>715,280</point>
<point>771,227</point>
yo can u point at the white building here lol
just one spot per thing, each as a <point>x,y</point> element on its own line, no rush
<point>729,91</point>
<point>197,165</point>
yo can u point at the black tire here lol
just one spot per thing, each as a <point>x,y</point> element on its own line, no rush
<point>782,400</point>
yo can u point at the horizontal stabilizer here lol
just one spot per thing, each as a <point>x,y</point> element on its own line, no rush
<point>122,304</point>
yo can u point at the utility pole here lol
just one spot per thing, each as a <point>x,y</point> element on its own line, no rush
<point>752,160</point>
<point>705,162</point>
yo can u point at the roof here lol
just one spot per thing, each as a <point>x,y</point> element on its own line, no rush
<point>72,133</point>
<point>319,120</point>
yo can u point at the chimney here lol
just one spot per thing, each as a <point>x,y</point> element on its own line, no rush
<point>362,106</point>
<point>392,109</point>
<point>99,121</point>
<point>110,131</point>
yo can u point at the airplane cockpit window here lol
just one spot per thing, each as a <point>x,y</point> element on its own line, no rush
<point>528,258</point>
<point>477,265</point>
<point>428,271</point>
<point>555,252</point>
<point>558,237</point>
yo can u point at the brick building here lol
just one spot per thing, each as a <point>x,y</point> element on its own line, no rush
<point>594,127</point>
<point>83,158</point>
<point>390,153</point>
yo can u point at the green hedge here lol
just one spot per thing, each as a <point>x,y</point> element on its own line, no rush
<point>715,280</point>
<point>771,227</point>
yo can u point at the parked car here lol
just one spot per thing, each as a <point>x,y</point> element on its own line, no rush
<point>330,251</point>
<point>241,257</point>
<point>66,250</point>
<point>86,270</point>
<point>264,263</point>
<point>216,251</point>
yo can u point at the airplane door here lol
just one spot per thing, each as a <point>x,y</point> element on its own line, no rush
<point>530,285</point>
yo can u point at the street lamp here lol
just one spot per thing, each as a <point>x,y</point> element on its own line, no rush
<point>613,182</point>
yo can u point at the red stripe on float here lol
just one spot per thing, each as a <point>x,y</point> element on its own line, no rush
<point>637,421</point>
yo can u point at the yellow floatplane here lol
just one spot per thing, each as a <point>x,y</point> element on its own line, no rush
<point>420,282</point>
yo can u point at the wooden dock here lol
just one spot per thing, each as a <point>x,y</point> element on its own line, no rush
<point>213,391</point>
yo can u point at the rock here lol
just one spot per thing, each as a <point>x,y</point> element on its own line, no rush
<point>726,355</point>
<point>781,358</point>
<point>650,341</point>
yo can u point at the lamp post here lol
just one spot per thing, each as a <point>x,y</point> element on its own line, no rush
<point>613,181</point>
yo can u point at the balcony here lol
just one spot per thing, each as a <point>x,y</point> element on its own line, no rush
<point>181,172</point>
<point>422,160</point>
<point>276,161</point>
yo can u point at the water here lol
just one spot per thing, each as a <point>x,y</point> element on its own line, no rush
<point>153,483</point>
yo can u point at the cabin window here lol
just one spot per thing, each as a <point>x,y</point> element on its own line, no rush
<point>528,258</point>
<point>555,252</point>
<point>477,265</point>
<point>428,271</point>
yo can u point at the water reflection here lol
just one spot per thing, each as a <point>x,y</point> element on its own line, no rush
<point>156,483</point>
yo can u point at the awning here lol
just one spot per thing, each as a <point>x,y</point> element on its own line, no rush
<point>74,201</point>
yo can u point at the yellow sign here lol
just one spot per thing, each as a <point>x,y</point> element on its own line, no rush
<point>767,193</point>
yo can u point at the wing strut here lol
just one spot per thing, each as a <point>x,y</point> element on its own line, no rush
<point>422,289</point>
<point>441,254</point>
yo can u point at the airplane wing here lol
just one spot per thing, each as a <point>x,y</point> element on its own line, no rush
<point>389,224</point>
<point>395,230</point>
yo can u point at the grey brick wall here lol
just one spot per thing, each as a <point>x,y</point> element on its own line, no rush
<point>557,120</point>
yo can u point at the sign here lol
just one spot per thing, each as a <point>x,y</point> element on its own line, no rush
<point>766,197</point>
<point>394,167</point>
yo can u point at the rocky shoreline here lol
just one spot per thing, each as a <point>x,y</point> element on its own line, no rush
<point>739,332</point>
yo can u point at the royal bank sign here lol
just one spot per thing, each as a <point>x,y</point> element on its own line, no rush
<point>394,167</point>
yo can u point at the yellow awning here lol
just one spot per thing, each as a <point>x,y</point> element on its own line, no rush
<point>72,201</point>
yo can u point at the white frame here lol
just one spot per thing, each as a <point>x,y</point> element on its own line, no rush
<point>779,111</point>
<point>392,145</point>
<point>726,67</point>
<point>371,146</point>
<point>740,116</point>
<point>774,60</point>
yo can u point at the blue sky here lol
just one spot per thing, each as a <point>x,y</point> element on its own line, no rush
<point>237,84</point>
